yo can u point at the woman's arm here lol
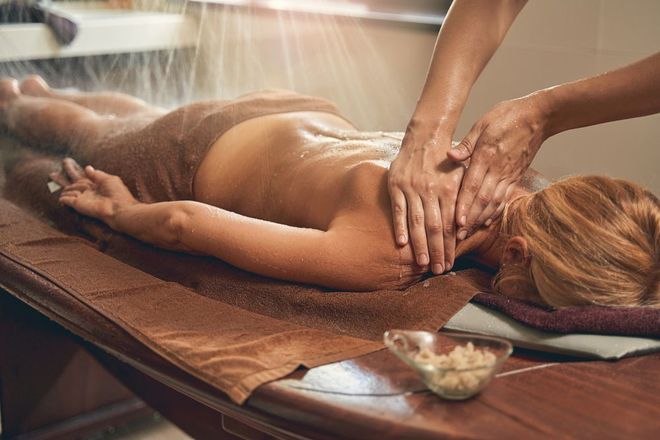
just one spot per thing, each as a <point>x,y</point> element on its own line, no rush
<point>424,185</point>
<point>279,251</point>
<point>336,258</point>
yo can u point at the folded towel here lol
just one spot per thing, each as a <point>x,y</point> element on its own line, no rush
<point>624,321</point>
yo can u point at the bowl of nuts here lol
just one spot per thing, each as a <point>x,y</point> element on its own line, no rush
<point>455,366</point>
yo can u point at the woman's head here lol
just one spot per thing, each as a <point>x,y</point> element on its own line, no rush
<point>583,240</point>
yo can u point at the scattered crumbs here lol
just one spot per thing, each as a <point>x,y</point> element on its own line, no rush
<point>53,186</point>
<point>426,283</point>
<point>452,273</point>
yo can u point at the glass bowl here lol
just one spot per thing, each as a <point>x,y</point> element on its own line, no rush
<point>455,366</point>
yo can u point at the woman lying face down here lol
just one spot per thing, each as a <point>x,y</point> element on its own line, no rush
<point>291,190</point>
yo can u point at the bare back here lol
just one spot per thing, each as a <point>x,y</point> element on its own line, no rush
<point>298,168</point>
<point>310,170</point>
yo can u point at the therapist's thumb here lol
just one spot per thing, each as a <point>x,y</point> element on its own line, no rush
<point>465,148</point>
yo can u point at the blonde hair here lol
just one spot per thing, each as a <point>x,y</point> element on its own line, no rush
<point>591,240</point>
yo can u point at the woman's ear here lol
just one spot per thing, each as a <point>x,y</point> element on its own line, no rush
<point>515,251</point>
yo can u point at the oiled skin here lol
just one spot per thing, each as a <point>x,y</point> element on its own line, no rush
<point>312,170</point>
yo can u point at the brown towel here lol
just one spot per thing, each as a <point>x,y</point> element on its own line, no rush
<point>230,328</point>
<point>623,321</point>
<point>174,144</point>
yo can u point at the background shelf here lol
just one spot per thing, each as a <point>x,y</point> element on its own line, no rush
<point>100,31</point>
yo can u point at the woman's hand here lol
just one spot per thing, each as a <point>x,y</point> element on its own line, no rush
<point>94,193</point>
<point>501,146</point>
<point>423,187</point>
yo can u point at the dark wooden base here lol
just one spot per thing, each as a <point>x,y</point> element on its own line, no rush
<point>50,387</point>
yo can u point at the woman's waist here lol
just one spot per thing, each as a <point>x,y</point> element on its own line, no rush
<point>283,130</point>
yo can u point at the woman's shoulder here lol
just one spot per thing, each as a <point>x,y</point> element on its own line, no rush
<point>373,259</point>
<point>366,221</point>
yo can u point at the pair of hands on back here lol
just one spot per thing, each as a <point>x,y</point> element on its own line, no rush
<point>440,193</point>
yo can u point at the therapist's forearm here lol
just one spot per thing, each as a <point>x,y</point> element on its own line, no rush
<point>628,92</point>
<point>471,33</point>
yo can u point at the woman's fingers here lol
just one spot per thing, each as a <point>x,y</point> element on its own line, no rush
<point>434,237</point>
<point>97,175</point>
<point>60,178</point>
<point>417,228</point>
<point>68,201</point>
<point>72,169</point>
<point>81,185</point>
<point>399,212</point>
<point>70,195</point>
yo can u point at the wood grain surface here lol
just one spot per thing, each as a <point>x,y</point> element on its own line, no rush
<point>378,396</point>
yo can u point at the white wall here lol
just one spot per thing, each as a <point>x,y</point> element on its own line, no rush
<point>561,40</point>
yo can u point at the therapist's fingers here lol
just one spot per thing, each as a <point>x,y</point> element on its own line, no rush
<point>434,237</point>
<point>481,201</point>
<point>462,152</point>
<point>507,197</point>
<point>496,215</point>
<point>447,207</point>
<point>487,216</point>
<point>470,187</point>
<point>464,149</point>
<point>399,215</point>
<point>417,229</point>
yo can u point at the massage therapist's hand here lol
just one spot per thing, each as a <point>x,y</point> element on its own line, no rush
<point>501,146</point>
<point>423,186</point>
<point>94,193</point>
